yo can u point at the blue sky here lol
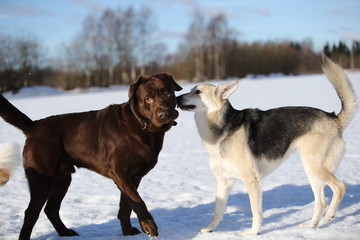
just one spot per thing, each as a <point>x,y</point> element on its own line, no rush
<point>54,22</point>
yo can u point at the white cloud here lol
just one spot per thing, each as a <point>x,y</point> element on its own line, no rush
<point>351,36</point>
<point>89,4</point>
<point>26,9</point>
<point>339,12</point>
<point>261,11</point>
<point>3,16</point>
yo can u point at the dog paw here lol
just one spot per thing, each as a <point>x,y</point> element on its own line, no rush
<point>68,233</point>
<point>250,233</point>
<point>149,227</point>
<point>206,230</point>
<point>330,214</point>
<point>130,231</point>
<point>209,228</point>
<point>309,225</point>
<point>329,217</point>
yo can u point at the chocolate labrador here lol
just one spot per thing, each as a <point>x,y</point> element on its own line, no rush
<point>121,142</point>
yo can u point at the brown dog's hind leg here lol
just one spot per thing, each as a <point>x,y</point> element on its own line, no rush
<point>52,207</point>
<point>40,187</point>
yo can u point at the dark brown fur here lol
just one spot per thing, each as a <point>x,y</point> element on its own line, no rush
<point>121,142</point>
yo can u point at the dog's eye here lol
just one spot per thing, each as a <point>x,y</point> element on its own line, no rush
<point>168,95</point>
<point>198,92</point>
<point>149,100</point>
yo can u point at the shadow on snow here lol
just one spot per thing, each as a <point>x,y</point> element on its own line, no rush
<point>185,223</point>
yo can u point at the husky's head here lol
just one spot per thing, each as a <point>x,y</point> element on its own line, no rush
<point>206,97</point>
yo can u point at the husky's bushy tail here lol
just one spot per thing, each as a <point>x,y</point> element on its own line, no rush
<point>9,159</point>
<point>344,89</point>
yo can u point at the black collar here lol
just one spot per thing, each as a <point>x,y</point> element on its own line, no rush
<point>143,124</point>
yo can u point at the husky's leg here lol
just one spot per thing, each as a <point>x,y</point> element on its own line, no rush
<point>317,187</point>
<point>338,188</point>
<point>321,155</point>
<point>253,186</point>
<point>223,187</point>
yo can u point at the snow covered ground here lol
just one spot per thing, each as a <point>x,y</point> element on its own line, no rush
<point>180,190</point>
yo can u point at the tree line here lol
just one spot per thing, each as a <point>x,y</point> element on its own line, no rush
<point>117,45</point>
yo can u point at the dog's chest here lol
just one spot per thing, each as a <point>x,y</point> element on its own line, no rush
<point>208,130</point>
<point>224,168</point>
<point>220,164</point>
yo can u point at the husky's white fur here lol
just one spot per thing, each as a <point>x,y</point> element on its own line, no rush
<point>250,144</point>
<point>9,159</point>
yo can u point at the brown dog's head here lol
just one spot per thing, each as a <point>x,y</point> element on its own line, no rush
<point>154,101</point>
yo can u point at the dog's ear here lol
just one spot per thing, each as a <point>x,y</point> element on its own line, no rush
<point>224,90</point>
<point>134,86</point>
<point>169,78</point>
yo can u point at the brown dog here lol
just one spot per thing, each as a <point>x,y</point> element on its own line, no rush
<point>121,142</point>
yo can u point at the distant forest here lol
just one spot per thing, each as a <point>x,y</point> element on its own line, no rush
<point>117,45</point>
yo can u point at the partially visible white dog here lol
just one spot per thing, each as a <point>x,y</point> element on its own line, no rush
<point>250,144</point>
<point>9,159</point>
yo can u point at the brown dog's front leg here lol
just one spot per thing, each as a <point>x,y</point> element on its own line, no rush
<point>146,221</point>
<point>124,216</point>
<point>149,227</point>
<point>133,198</point>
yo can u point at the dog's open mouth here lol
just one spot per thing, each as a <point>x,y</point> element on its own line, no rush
<point>186,107</point>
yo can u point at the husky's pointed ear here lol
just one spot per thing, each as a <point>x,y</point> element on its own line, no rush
<point>224,90</point>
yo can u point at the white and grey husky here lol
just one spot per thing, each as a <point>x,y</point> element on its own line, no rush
<point>250,144</point>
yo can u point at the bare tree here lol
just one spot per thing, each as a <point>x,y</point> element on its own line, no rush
<point>217,32</point>
<point>9,63</point>
<point>196,39</point>
<point>145,33</point>
<point>123,36</point>
<point>115,46</point>
<point>19,60</point>
<point>29,53</point>
<point>8,53</point>
<point>75,63</point>
<point>130,25</point>
<point>106,38</point>
<point>89,34</point>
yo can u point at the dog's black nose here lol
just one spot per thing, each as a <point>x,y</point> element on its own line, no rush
<point>178,100</point>
<point>163,114</point>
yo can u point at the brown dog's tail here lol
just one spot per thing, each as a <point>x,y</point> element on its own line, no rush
<point>14,116</point>
<point>344,89</point>
<point>9,159</point>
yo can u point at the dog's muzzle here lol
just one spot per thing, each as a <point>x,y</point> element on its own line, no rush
<point>186,107</point>
<point>167,116</point>
<point>182,105</point>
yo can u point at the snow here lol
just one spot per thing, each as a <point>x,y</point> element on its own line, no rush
<point>180,190</point>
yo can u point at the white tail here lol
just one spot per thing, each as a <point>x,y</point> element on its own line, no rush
<point>344,89</point>
<point>9,159</point>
